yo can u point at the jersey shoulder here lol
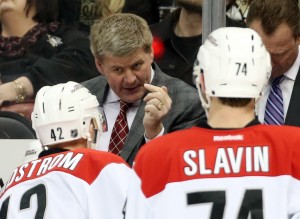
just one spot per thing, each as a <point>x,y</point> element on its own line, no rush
<point>163,160</point>
<point>85,164</point>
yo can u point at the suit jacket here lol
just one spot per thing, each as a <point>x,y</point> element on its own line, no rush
<point>293,114</point>
<point>186,110</point>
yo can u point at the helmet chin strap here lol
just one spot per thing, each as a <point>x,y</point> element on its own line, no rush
<point>204,101</point>
<point>88,140</point>
<point>91,143</point>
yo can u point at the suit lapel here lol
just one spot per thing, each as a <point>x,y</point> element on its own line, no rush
<point>135,135</point>
<point>101,90</point>
<point>293,113</point>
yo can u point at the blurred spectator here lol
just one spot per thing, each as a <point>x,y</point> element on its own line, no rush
<point>69,12</point>
<point>178,37</point>
<point>36,49</point>
<point>87,13</point>
<point>237,9</point>
<point>165,8</point>
<point>147,9</point>
<point>108,7</point>
<point>94,9</point>
<point>166,2</point>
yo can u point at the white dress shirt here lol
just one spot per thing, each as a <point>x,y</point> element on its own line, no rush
<point>111,108</point>
<point>286,87</point>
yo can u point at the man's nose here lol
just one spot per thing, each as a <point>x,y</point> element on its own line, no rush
<point>130,77</point>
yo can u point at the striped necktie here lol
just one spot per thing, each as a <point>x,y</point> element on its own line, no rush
<point>120,130</point>
<point>274,114</point>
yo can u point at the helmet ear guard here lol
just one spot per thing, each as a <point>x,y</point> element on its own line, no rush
<point>235,64</point>
<point>198,74</point>
<point>64,112</point>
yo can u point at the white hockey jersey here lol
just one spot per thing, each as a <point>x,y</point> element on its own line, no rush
<point>250,173</point>
<point>76,184</point>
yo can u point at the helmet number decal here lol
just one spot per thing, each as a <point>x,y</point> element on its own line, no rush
<point>241,68</point>
<point>57,133</point>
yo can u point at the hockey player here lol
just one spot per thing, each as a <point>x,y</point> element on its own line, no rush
<point>230,167</point>
<point>70,180</point>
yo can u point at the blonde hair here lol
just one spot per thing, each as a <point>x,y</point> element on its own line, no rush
<point>105,8</point>
<point>119,35</point>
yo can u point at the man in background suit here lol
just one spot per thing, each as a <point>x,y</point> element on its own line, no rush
<point>277,22</point>
<point>122,46</point>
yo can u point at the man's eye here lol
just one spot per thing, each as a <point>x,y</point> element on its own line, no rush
<point>136,66</point>
<point>118,70</point>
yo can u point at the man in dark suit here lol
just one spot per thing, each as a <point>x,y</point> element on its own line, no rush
<point>277,22</point>
<point>158,104</point>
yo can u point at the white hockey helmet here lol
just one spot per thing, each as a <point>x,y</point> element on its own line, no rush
<point>235,64</point>
<point>63,113</point>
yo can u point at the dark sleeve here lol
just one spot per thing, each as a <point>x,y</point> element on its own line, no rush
<point>70,61</point>
<point>69,12</point>
<point>147,9</point>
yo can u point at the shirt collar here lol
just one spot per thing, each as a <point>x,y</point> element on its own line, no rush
<point>293,71</point>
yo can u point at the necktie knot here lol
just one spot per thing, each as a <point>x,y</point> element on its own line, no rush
<point>274,113</point>
<point>124,106</point>
<point>278,80</point>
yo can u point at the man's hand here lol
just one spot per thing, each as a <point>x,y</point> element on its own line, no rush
<point>158,104</point>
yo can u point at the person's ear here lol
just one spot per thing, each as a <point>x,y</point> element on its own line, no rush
<point>99,66</point>
<point>152,54</point>
<point>92,134</point>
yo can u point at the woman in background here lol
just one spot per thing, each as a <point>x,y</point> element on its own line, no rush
<point>38,48</point>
